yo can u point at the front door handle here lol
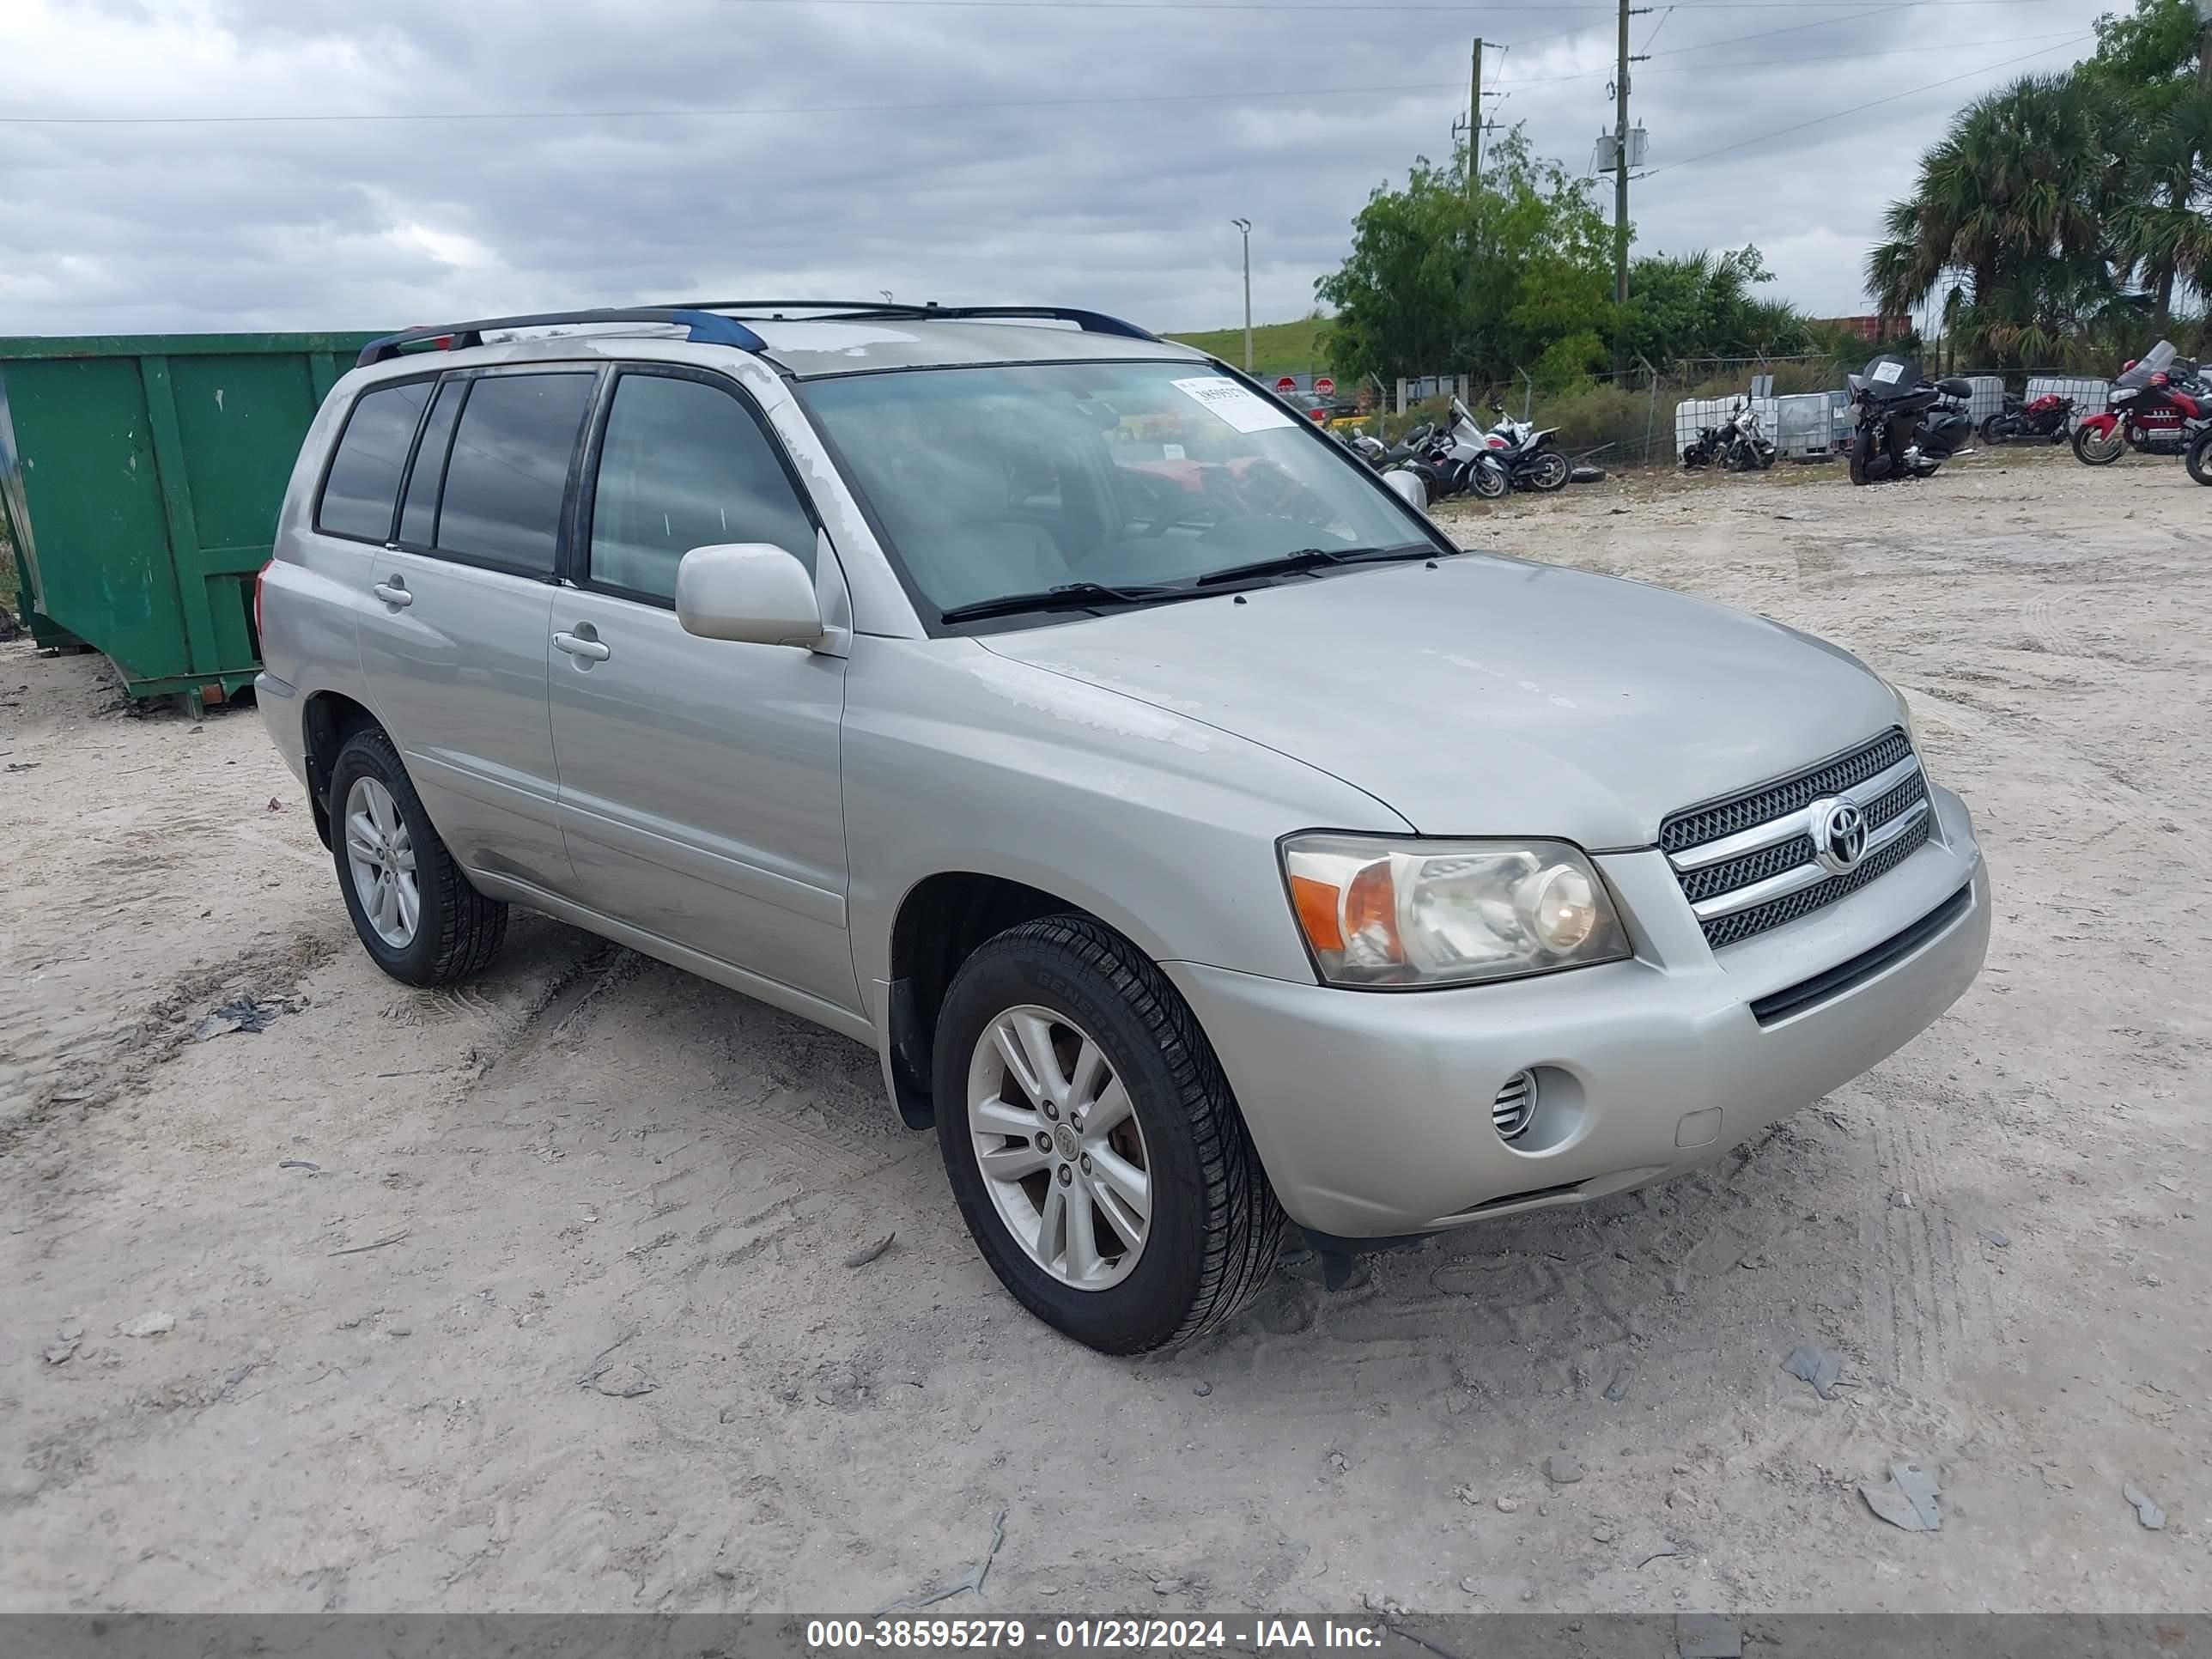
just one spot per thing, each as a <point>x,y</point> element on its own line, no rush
<point>393,593</point>
<point>576,645</point>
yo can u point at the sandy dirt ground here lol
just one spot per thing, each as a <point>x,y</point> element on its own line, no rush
<point>534,1295</point>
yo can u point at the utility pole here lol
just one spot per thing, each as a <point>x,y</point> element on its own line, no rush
<point>1245,225</point>
<point>1474,120</point>
<point>1621,196</point>
<point>2205,44</point>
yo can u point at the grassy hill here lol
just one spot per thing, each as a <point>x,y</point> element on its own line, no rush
<point>1277,347</point>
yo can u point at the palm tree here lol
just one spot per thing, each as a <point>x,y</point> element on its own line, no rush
<point>2160,229</point>
<point>2010,209</point>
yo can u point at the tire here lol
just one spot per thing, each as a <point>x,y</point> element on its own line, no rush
<point>1862,452</point>
<point>1989,431</point>
<point>1489,483</point>
<point>1766,459</point>
<point>457,931</point>
<point>1214,1230</point>
<point>2198,458</point>
<point>1549,470</point>
<point>2091,453</point>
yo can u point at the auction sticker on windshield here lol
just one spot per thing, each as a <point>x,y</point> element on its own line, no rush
<point>1231,402</point>
<point>1889,371</point>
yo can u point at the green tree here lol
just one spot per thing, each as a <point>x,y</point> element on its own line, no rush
<point>1685,306</point>
<point>2149,73</point>
<point>2010,218</point>
<point>1441,279</point>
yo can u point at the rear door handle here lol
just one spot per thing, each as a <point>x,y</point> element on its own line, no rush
<point>577,646</point>
<point>393,593</point>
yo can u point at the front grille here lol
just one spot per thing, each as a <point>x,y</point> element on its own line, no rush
<point>1771,836</point>
<point>1700,824</point>
<point>1728,930</point>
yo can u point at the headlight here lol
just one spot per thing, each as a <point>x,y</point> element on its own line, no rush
<point>1384,912</point>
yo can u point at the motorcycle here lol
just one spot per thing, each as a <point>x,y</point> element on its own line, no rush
<point>1525,456</point>
<point>2159,405</point>
<point>1907,426</point>
<point>1738,444</point>
<point>2046,417</point>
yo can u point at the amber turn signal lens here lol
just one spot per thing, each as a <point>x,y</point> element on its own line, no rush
<point>1316,905</point>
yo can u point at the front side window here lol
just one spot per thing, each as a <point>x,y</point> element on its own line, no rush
<point>990,481</point>
<point>508,471</point>
<point>685,465</point>
<point>362,486</point>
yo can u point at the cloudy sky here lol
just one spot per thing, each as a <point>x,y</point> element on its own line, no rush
<point>531,154</point>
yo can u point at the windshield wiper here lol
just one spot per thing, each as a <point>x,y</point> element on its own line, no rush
<point>1069,596</point>
<point>1313,558</point>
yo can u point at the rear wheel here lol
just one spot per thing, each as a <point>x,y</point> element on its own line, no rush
<point>1548,470</point>
<point>1991,432</point>
<point>2093,450</point>
<point>1092,1143</point>
<point>1488,481</point>
<point>415,913</point>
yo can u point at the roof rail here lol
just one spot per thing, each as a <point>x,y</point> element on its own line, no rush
<point>706,329</point>
<point>1091,322</point>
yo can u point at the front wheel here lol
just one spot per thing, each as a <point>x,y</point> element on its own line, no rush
<point>2199,460</point>
<point>1991,431</point>
<point>2092,449</point>
<point>1861,455</point>
<point>1092,1143</point>
<point>1549,470</point>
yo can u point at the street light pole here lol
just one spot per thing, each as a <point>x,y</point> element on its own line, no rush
<point>1245,226</point>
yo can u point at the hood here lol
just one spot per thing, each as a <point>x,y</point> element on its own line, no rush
<point>1488,695</point>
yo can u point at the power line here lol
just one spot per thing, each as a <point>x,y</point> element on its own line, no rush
<point>1340,9</point>
<point>1780,62</point>
<point>1872,103</point>
<point>1762,35</point>
<point>654,114</point>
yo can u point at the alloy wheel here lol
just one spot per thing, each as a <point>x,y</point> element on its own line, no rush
<point>1061,1152</point>
<point>380,854</point>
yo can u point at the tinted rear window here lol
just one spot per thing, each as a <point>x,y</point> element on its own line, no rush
<point>363,484</point>
<point>509,469</point>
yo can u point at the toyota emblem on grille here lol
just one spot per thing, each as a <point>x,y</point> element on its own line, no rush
<point>1839,835</point>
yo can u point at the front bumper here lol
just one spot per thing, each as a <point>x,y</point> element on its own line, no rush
<point>1371,1110</point>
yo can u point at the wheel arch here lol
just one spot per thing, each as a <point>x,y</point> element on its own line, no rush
<point>327,720</point>
<point>939,921</point>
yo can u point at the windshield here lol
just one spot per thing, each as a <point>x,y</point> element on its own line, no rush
<point>1018,478</point>
<point>2160,356</point>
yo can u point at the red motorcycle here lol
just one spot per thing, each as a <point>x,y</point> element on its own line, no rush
<point>2043,418</point>
<point>2157,406</point>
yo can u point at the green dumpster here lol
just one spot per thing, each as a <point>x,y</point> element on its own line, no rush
<point>140,478</point>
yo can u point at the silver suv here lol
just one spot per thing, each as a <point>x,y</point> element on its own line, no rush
<point>1201,839</point>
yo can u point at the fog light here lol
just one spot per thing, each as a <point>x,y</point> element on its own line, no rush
<point>1515,1107</point>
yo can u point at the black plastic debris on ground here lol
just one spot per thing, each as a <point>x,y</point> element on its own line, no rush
<point>1818,1366</point>
<point>246,1014</point>
<point>1909,1501</point>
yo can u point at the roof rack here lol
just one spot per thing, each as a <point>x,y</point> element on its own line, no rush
<point>706,329</point>
<point>1089,322</point>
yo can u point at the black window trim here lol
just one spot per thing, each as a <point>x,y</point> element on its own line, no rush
<point>576,569</point>
<point>331,458</point>
<point>562,522</point>
<point>398,543</point>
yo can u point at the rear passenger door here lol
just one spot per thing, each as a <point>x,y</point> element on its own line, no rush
<point>699,778</point>
<point>454,639</point>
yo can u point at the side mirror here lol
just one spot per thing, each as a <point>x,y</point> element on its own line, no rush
<point>754,592</point>
<point>1497,407</point>
<point>1408,488</point>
